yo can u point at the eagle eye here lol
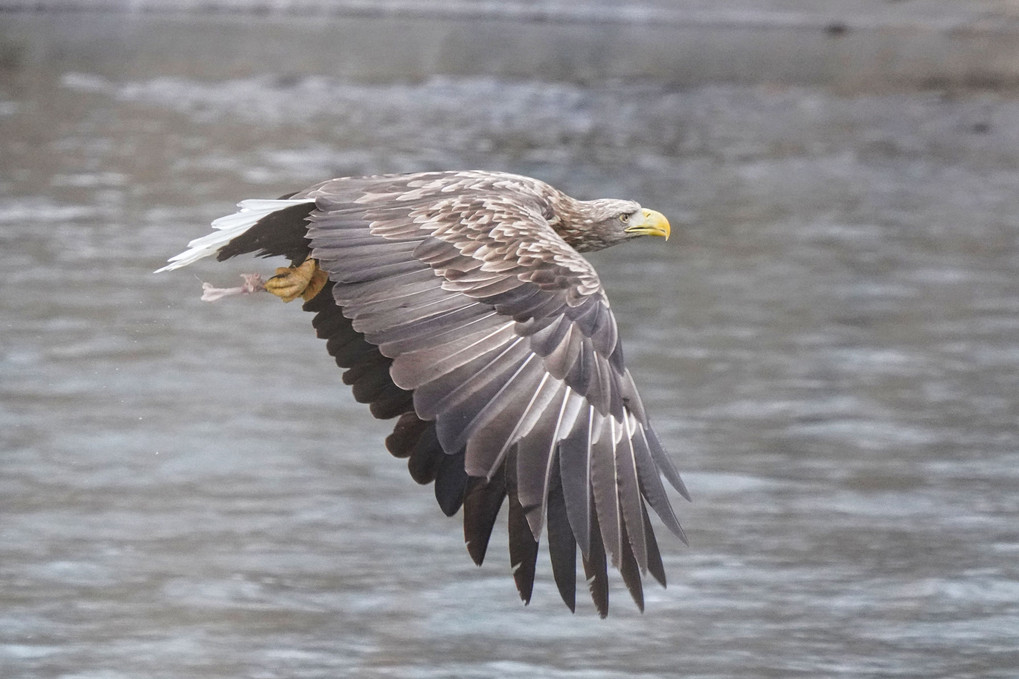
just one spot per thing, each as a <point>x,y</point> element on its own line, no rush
<point>624,218</point>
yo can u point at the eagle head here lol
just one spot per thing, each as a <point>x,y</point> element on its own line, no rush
<point>590,225</point>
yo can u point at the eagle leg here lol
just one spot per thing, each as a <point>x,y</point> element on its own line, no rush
<point>304,281</point>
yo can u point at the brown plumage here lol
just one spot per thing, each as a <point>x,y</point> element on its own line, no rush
<point>459,304</point>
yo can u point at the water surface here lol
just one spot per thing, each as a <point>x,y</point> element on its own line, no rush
<point>829,346</point>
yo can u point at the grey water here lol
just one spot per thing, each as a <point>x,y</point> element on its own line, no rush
<point>829,345</point>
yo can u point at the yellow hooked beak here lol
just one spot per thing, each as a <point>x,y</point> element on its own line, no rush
<point>653,223</point>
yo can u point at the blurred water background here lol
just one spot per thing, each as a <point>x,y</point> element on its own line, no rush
<point>829,343</point>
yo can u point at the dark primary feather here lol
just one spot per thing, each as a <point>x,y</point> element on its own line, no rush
<point>482,500</point>
<point>523,546</point>
<point>562,546</point>
<point>454,306</point>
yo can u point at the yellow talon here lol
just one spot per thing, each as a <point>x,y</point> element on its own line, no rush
<point>304,281</point>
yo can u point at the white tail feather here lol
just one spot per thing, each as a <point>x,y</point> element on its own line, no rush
<point>227,228</point>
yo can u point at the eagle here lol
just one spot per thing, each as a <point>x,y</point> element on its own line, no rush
<point>459,304</point>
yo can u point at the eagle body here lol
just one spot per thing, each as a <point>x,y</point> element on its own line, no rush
<point>459,305</point>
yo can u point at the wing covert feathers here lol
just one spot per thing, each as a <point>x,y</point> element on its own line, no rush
<point>455,308</point>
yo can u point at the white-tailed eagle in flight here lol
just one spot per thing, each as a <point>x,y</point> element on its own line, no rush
<point>460,306</point>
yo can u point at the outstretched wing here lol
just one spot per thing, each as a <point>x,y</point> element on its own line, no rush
<point>504,336</point>
<point>456,308</point>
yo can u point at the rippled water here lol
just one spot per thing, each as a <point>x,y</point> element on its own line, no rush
<point>829,345</point>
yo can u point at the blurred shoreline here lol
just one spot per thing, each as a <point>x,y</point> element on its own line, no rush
<point>855,46</point>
